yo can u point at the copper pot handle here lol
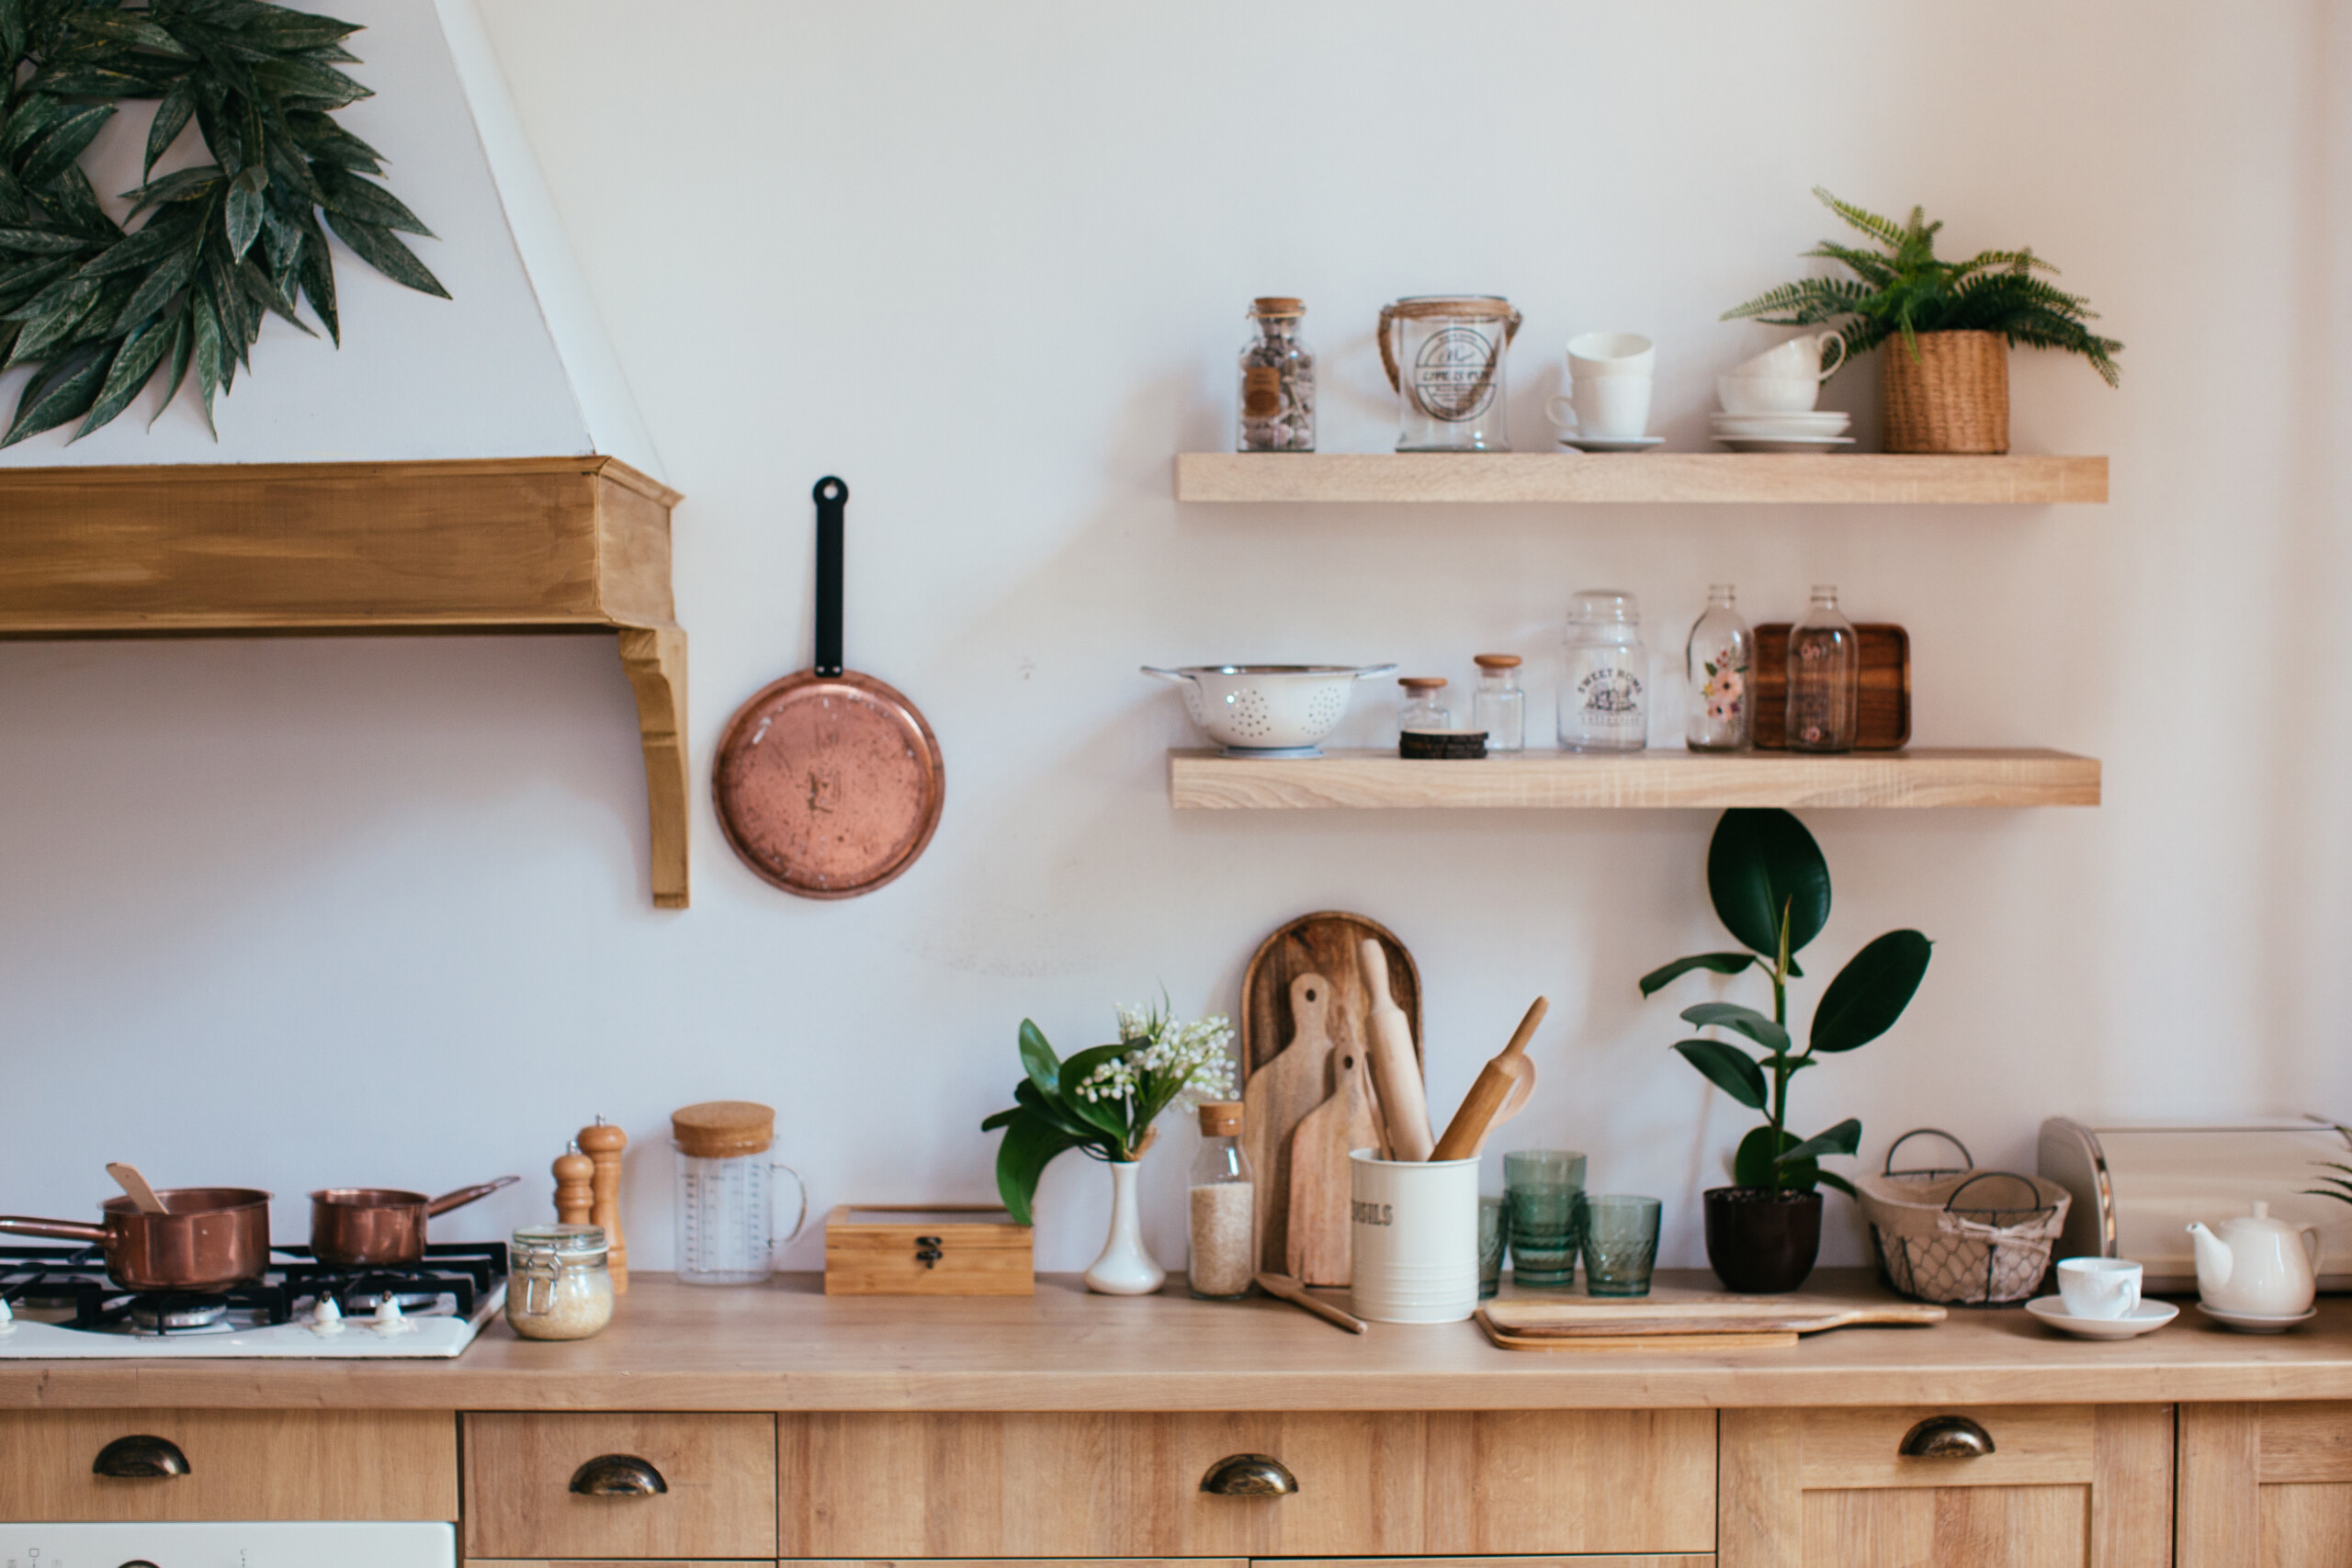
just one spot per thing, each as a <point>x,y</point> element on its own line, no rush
<point>465,1195</point>
<point>54,1230</point>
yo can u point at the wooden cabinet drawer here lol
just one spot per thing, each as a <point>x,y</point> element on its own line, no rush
<point>241,1464</point>
<point>2063,1483</point>
<point>719,1472</point>
<point>1414,1484</point>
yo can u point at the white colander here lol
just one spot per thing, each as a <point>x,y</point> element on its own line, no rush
<point>1269,710</point>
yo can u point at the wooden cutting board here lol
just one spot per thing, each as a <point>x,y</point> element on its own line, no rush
<point>1322,943</point>
<point>1320,1244</point>
<point>1274,1099</point>
<point>1886,687</point>
<point>1685,1319</point>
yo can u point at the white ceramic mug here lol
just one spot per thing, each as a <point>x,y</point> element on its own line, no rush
<point>1610,353</point>
<point>1800,356</point>
<point>1414,1224</point>
<point>1605,408</point>
<point>2098,1287</point>
<point>1767,394</point>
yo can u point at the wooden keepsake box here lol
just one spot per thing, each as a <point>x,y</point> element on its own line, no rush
<point>937,1249</point>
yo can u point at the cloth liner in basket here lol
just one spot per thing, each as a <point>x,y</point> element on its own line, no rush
<point>1961,1236</point>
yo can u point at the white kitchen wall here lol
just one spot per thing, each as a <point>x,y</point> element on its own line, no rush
<point>293,912</point>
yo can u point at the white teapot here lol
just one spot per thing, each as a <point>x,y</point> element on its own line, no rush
<point>2258,1266</point>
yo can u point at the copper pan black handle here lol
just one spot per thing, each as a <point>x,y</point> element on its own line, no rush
<point>833,503</point>
<point>465,1195</point>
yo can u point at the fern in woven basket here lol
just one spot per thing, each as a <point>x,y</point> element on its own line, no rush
<point>1905,288</point>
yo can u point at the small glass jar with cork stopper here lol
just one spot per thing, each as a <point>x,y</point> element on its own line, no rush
<point>1224,1207</point>
<point>1277,412</point>
<point>1425,724</point>
<point>1498,706</point>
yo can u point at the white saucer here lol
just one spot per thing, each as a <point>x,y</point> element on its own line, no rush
<point>1612,443</point>
<point>2255,1321</point>
<point>1785,442</point>
<point>2146,1319</point>
<point>1776,424</point>
<point>1797,417</point>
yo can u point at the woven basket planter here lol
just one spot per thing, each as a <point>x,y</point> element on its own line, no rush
<point>1953,398</point>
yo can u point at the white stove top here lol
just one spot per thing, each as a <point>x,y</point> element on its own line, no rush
<point>420,1338</point>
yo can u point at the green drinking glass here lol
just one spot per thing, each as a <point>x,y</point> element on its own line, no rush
<point>1541,1190</point>
<point>1619,1237</point>
<point>1494,1234</point>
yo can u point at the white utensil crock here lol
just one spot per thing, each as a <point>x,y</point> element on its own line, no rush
<point>1415,1228</point>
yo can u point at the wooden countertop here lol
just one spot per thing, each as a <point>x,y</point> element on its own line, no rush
<point>787,1346</point>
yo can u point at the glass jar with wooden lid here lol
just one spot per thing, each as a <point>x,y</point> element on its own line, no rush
<point>727,1190</point>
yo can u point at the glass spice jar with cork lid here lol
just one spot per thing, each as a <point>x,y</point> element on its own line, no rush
<point>1224,1207</point>
<point>1277,412</point>
<point>1425,724</point>
<point>1498,706</point>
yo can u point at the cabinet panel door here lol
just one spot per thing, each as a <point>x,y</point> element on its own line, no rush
<point>2077,1485</point>
<point>2265,1485</point>
<point>717,1476</point>
<point>1021,1484</point>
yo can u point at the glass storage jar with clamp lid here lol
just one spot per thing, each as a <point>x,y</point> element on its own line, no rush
<point>557,1286</point>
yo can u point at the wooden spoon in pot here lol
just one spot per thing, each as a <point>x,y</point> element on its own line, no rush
<point>129,1178</point>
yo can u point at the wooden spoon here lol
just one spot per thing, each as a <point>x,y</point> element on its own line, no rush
<point>136,1185</point>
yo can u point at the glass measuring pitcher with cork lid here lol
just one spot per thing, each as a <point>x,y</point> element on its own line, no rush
<point>726,1190</point>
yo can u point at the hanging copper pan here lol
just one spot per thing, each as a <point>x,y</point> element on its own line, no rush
<point>829,783</point>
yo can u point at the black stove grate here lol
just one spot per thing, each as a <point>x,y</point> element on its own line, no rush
<point>75,1278</point>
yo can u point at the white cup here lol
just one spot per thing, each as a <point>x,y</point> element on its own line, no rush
<point>2098,1287</point>
<point>1610,353</point>
<point>1767,394</point>
<point>1605,408</point>
<point>1809,356</point>
<point>1414,1224</point>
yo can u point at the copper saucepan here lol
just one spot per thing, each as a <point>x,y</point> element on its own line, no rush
<point>207,1238</point>
<point>376,1228</point>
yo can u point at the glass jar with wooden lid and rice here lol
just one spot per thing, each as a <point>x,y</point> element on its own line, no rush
<point>558,1285</point>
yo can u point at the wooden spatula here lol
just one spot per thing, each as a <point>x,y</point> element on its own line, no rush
<point>131,1181</point>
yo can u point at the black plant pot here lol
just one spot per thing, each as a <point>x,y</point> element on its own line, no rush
<point>1762,1241</point>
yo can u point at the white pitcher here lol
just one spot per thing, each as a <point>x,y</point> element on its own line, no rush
<point>2258,1266</point>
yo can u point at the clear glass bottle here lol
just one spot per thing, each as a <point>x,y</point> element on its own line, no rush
<point>1498,706</point>
<point>1224,1207</point>
<point>1422,710</point>
<point>1721,650</point>
<point>558,1285</point>
<point>1605,685</point>
<point>1277,412</point>
<point>1824,677</point>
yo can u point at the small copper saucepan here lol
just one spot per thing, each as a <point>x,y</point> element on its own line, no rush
<point>376,1228</point>
<point>206,1239</point>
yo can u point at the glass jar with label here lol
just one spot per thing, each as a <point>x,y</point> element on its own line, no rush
<point>1498,706</point>
<point>557,1286</point>
<point>1824,677</point>
<point>1277,410</point>
<point>1718,656</point>
<point>1605,673</point>
<point>1444,354</point>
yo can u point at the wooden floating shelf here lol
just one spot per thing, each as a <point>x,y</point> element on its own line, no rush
<point>504,545</point>
<point>1688,477</point>
<point>1560,780</point>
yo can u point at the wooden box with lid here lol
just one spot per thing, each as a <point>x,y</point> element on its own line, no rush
<point>936,1249</point>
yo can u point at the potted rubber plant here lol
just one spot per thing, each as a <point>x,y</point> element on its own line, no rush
<point>1947,388</point>
<point>1770,888</point>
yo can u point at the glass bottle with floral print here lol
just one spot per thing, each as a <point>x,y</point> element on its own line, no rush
<point>1277,410</point>
<point>1722,649</point>
<point>1824,677</point>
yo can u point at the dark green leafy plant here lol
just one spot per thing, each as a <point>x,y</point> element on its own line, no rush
<point>99,309</point>
<point>1905,288</point>
<point>1770,887</point>
<point>2334,1187</point>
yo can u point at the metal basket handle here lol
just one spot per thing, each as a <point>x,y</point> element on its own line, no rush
<point>2034,1209</point>
<point>1967,1160</point>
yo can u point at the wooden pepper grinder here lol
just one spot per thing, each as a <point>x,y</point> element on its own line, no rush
<point>602,1143</point>
<point>573,1193</point>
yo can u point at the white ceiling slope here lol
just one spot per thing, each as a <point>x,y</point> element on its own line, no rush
<point>515,364</point>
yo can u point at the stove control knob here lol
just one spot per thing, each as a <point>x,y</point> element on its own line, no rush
<point>140,1458</point>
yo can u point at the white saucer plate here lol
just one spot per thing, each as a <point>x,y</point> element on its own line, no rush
<point>1774,427</point>
<point>1612,443</point>
<point>1823,417</point>
<point>1785,442</point>
<point>2257,1322</point>
<point>2146,1319</point>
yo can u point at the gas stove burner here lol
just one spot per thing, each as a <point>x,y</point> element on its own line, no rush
<point>178,1315</point>
<point>412,1302</point>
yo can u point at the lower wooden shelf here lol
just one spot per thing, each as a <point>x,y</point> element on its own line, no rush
<point>1559,780</point>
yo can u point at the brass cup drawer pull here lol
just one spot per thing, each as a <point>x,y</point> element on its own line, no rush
<point>1249,1476</point>
<point>619,1476</point>
<point>1946,1436</point>
<point>141,1458</point>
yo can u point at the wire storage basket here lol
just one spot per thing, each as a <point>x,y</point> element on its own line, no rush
<point>1958,1234</point>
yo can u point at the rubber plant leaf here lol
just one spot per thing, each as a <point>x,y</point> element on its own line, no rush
<point>1755,1163</point>
<point>1747,1021</point>
<point>1720,963</point>
<point>1871,992</point>
<point>1843,1139</point>
<point>1761,862</point>
<point>1728,1067</point>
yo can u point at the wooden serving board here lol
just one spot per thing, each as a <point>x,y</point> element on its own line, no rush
<point>1886,687</point>
<point>1674,1318</point>
<point>1322,943</point>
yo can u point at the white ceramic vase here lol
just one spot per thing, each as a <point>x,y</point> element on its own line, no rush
<point>1126,1268</point>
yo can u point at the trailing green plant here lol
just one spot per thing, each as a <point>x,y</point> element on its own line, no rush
<point>1904,288</point>
<point>1770,888</point>
<point>1102,1101</point>
<point>99,309</point>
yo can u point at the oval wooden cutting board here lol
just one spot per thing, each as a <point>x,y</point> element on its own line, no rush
<point>1322,943</point>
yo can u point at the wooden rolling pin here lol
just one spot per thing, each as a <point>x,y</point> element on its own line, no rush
<point>1395,1071</point>
<point>1483,1106</point>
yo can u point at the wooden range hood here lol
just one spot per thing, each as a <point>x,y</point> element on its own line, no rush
<point>491,545</point>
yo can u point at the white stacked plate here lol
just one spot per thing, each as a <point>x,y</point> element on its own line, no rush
<point>1818,431</point>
